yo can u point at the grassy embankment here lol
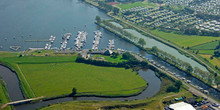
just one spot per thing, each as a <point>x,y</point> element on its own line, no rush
<point>59,74</point>
<point>4,98</point>
<point>136,4</point>
<point>154,103</point>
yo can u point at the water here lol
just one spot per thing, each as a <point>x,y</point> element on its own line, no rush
<point>37,19</point>
<point>150,42</point>
<point>12,82</point>
<point>15,94</point>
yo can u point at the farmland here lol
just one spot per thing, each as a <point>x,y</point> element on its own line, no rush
<point>60,78</point>
<point>207,46</point>
<point>210,52</point>
<point>184,40</point>
<point>213,61</point>
<point>136,4</point>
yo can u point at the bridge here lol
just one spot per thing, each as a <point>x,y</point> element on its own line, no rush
<point>21,101</point>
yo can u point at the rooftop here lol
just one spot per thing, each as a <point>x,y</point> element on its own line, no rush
<point>181,106</point>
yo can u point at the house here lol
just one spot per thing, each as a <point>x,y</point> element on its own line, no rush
<point>108,52</point>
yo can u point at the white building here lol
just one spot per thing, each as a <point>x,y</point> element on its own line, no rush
<point>181,106</point>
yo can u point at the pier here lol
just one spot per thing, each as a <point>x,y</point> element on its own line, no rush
<point>48,45</point>
<point>15,48</point>
<point>80,40</point>
<point>36,40</point>
<point>111,44</point>
<point>96,40</point>
<point>65,38</point>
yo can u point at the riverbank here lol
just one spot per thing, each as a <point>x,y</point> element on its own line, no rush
<point>149,51</point>
<point>148,103</point>
<point>36,68</point>
<point>4,97</point>
<point>179,49</point>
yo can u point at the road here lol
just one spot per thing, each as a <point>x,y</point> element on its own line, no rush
<point>191,89</point>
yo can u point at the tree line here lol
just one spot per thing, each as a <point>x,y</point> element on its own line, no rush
<point>131,62</point>
<point>205,75</point>
<point>108,7</point>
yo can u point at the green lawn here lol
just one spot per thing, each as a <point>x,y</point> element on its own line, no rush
<point>153,103</point>
<point>136,4</point>
<point>60,78</point>
<point>211,52</point>
<point>208,46</point>
<point>110,59</point>
<point>184,40</point>
<point>40,59</point>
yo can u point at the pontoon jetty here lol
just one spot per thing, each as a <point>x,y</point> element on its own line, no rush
<point>96,40</point>
<point>80,40</point>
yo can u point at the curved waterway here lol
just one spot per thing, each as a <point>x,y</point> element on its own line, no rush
<point>15,94</point>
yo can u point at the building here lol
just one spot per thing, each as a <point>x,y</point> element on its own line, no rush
<point>181,106</point>
<point>108,52</point>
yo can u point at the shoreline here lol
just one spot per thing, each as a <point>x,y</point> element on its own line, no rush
<point>148,51</point>
<point>158,39</point>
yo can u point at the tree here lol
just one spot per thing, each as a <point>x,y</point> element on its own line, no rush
<point>98,19</point>
<point>115,54</point>
<point>172,89</point>
<point>178,84</point>
<point>142,42</point>
<point>197,51</point>
<point>73,92</point>
<point>154,49</point>
<point>115,10</point>
<point>189,69</point>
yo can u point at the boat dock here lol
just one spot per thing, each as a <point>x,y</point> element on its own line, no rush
<point>37,40</point>
<point>15,48</point>
<point>65,38</point>
<point>48,45</point>
<point>96,40</point>
<point>111,44</point>
<point>80,40</point>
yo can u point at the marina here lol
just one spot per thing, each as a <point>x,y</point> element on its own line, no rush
<point>67,22</point>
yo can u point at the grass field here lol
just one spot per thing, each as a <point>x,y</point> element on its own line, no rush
<point>110,59</point>
<point>136,4</point>
<point>210,52</point>
<point>154,103</point>
<point>60,78</point>
<point>39,59</point>
<point>184,40</point>
<point>213,61</point>
<point>57,74</point>
<point>207,46</point>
